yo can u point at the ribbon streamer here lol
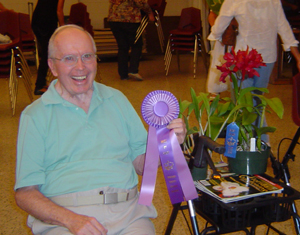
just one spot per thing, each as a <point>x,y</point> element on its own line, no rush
<point>158,109</point>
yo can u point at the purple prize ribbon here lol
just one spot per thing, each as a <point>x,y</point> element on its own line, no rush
<point>158,109</point>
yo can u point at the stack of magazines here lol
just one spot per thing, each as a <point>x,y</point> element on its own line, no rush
<point>237,187</point>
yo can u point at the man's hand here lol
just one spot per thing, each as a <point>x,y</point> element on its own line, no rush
<point>179,128</point>
<point>31,200</point>
<point>84,225</point>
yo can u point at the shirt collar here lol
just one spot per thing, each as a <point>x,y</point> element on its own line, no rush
<point>51,96</point>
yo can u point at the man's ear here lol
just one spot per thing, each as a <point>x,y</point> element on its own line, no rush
<point>52,67</point>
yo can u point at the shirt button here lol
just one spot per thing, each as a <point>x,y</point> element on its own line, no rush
<point>76,108</point>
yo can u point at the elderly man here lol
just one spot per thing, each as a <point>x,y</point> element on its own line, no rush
<point>79,148</point>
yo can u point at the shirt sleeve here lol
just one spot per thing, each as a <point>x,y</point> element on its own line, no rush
<point>285,30</point>
<point>30,152</point>
<point>223,20</point>
<point>136,131</point>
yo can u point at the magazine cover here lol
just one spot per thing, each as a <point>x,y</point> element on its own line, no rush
<point>238,187</point>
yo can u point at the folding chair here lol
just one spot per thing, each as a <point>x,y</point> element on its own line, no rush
<point>187,37</point>
<point>28,40</point>
<point>9,25</point>
<point>158,7</point>
<point>16,65</point>
<point>13,83</point>
<point>80,16</point>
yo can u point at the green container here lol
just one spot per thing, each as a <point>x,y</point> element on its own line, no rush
<point>249,163</point>
<point>199,173</point>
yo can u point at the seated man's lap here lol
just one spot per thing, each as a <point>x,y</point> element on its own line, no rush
<point>121,218</point>
<point>143,226</point>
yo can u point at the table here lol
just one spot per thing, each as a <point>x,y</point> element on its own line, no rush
<point>244,215</point>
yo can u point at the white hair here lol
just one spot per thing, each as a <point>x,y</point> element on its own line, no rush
<point>52,47</point>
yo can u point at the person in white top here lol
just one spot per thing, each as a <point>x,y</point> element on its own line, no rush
<point>260,21</point>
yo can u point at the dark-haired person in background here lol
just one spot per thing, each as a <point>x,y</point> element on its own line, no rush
<point>124,18</point>
<point>46,15</point>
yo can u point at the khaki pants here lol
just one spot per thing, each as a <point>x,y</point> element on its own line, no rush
<point>120,218</point>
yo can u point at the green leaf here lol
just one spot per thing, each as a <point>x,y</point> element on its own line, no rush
<point>276,105</point>
<point>223,108</point>
<point>249,89</point>
<point>214,105</point>
<point>216,120</point>
<point>183,105</point>
<point>195,102</point>
<point>186,121</point>
<point>264,130</point>
<point>248,118</point>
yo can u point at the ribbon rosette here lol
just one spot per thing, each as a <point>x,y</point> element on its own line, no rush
<point>159,108</point>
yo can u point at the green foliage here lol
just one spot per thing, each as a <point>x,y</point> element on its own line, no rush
<point>214,115</point>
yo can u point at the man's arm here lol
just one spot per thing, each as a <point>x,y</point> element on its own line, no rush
<point>31,200</point>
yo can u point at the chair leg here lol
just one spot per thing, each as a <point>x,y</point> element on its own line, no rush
<point>168,57</point>
<point>142,27</point>
<point>37,59</point>
<point>13,84</point>
<point>178,59</point>
<point>172,219</point>
<point>28,88</point>
<point>195,55</point>
<point>203,52</point>
<point>159,32</point>
<point>167,49</point>
<point>24,64</point>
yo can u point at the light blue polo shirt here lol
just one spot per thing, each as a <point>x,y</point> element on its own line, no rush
<point>63,149</point>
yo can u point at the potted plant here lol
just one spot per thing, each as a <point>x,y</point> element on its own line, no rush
<point>213,116</point>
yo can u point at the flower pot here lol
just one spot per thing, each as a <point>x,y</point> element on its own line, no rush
<point>250,163</point>
<point>199,173</point>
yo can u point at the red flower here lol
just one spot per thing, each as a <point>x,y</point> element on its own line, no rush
<point>242,64</point>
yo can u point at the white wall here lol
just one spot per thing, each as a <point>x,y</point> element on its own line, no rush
<point>98,9</point>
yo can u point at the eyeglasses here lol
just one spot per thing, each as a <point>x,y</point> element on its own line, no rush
<point>71,60</point>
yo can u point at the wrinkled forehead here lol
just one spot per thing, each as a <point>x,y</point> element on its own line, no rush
<point>73,41</point>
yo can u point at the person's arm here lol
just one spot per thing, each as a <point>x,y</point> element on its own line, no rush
<point>222,21</point>
<point>31,200</point>
<point>151,16</point>
<point>179,128</point>
<point>212,18</point>
<point>60,12</point>
<point>287,36</point>
<point>144,6</point>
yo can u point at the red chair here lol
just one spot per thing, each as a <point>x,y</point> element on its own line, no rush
<point>28,41</point>
<point>80,16</point>
<point>187,37</point>
<point>12,61</point>
<point>296,99</point>
<point>9,25</point>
